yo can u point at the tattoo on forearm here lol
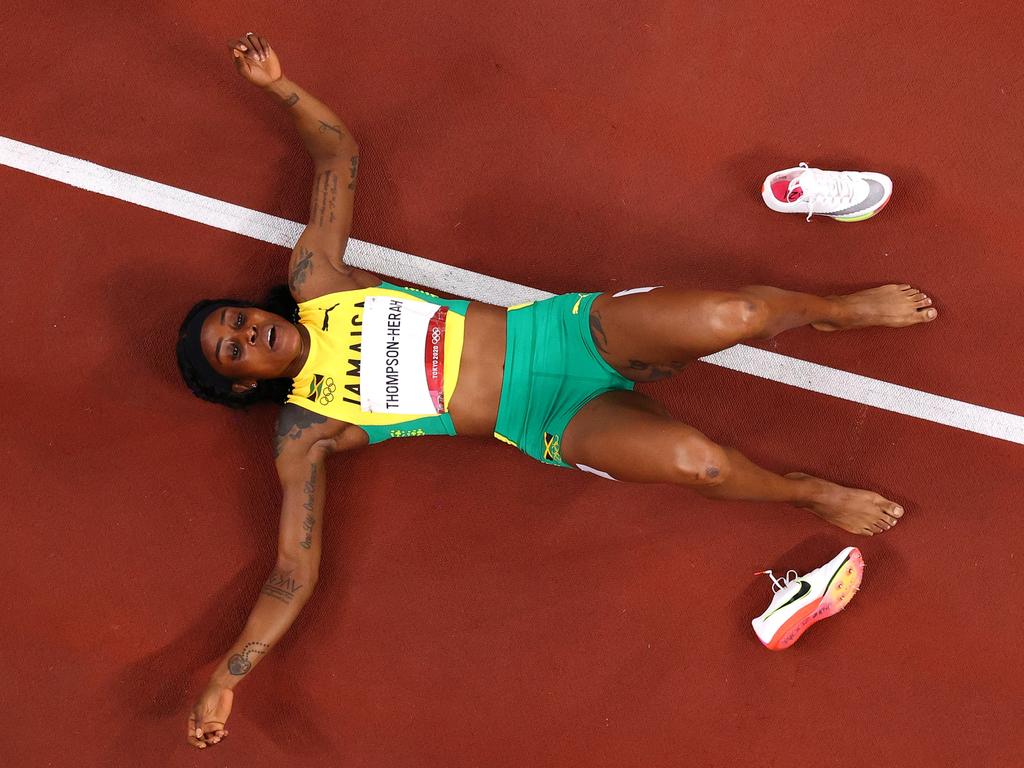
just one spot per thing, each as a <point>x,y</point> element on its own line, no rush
<point>292,100</point>
<point>281,586</point>
<point>597,332</point>
<point>324,128</point>
<point>303,266</point>
<point>307,525</point>
<point>354,172</point>
<point>241,663</point>
<point>291,423</point>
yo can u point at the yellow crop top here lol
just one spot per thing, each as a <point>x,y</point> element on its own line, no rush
<point>335,379</point>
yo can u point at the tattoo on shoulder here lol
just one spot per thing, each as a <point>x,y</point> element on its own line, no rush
<point>303,267</point>
<point>291,423</point>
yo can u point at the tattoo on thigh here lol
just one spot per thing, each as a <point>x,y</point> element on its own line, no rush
<point>241,663</point>
<point>597,332</point>
<point>649,371</point>
<point>303,266</point>
<point>291,423</point>
<point>281,586</point>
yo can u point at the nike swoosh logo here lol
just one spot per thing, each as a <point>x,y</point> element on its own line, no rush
<point>876,193</point>
<point>805,587</point>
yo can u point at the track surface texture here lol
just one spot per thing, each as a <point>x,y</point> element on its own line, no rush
<point>474,608</point>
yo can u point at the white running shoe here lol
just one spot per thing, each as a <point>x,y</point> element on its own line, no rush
<point>842,195</point>
<point>802,600</point>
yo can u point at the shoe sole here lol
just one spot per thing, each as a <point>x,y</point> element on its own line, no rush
<point>843,585</point>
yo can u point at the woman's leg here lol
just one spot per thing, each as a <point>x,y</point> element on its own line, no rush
<point>630,437</point>
<point>648,336</point>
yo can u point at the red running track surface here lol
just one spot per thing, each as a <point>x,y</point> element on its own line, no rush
<point>474,608</point>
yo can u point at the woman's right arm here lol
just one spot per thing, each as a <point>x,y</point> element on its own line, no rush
<point>317,265</point>
<point>300,453</point>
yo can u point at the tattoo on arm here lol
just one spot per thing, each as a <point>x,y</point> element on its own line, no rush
<point>291,423</point>
<point>354,171</point>
<point>292,100</point>
<point>324,128</point>
<point>307,525</point>
<point>241,663</point>
<point>325,198</point>
<point>330,188</point>
<point>281,586</point>
<point>597,332</point>
<point>303,266</point>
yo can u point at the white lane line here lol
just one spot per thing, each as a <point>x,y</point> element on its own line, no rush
<point>462,282</point>
<point>873,392</point>
<point>260,226</point>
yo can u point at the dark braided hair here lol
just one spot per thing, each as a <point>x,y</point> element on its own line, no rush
<point>199,375</point>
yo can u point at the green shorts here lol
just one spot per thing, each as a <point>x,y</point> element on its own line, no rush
<point>552,369</point>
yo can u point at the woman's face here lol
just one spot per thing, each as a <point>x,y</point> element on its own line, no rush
<point>248,344</point>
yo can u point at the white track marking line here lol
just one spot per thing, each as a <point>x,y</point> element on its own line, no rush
<point>462,282</point>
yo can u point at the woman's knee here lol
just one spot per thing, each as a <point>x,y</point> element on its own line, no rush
<point>740,316</point>
<point>698,461</point>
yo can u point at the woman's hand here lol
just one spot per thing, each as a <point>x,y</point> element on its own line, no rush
<point>254,60</point>
<point>209,716</point>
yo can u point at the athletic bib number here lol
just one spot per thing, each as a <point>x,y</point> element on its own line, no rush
<point>402,367</point>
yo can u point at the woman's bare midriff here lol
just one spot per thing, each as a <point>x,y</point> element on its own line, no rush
<point>474,404</point>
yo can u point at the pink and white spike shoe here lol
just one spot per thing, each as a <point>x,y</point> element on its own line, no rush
<point>841,195</point>
<point>800,601</point>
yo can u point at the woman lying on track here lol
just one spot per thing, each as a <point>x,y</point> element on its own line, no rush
<point>365,360</point>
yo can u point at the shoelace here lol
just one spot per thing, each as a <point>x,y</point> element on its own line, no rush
<point>779,584</point>
<point>824,187</point>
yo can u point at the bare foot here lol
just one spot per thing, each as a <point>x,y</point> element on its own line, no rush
<point>851,509</point>
<point>894,306</point>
